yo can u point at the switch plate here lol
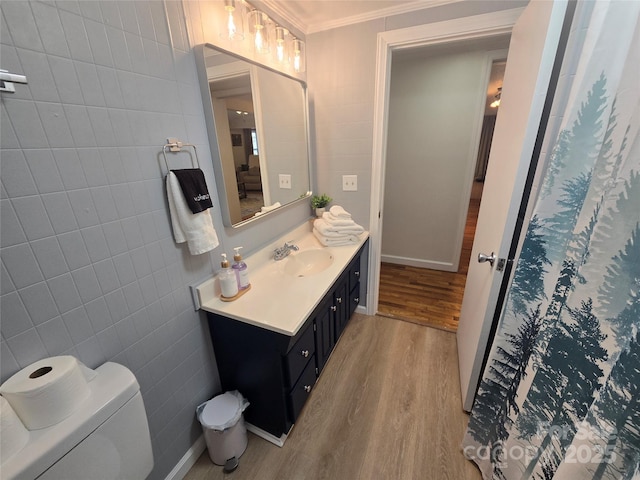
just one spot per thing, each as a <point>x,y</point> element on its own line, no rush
<point>285,181</point>
<point>350,183</point>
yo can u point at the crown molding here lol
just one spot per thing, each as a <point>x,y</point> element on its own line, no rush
<point>278,6</point>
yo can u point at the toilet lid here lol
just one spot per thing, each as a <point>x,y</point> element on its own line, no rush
<point>221,412</point>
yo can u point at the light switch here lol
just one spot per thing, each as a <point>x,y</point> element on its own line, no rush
<point>350,183</point>
<point>285,181</point>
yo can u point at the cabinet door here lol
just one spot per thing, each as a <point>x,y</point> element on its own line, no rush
<point>341,301</point>
<point>354,299</point>
<point>325,334</point>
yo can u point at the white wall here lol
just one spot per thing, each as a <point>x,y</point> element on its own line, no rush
<point>341,77</point>
<point>435,103</point>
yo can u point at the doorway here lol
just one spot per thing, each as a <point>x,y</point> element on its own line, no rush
<point>419,290</point>
<point>469,28</point>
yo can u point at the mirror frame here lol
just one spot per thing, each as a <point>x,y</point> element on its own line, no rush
<point>199,51</point>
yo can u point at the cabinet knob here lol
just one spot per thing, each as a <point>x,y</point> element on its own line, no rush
<point>333,308</point>
<point>304,353</point>
<point>339,299</point>
<point>307,388</point>
<point>357,274</point>
<point>356,300</point>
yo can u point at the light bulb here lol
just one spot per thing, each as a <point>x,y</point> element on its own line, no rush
<point>280,43</point>
<point>259,27</point>
<point>259,40</point>
<point>232,28</point>
<point>298,55</point>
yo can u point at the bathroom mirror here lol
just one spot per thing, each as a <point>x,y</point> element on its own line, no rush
<point>258,133</point>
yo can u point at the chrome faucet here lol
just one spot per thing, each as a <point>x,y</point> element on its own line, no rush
<point>284,251</point>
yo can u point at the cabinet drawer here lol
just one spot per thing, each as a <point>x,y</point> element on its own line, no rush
<point>301,390</point>
<point>299,355</point>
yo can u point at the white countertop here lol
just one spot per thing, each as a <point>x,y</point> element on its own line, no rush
<point>278,301</point>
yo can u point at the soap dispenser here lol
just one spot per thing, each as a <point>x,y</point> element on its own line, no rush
<point>227,279</point>
<point>242,274</point>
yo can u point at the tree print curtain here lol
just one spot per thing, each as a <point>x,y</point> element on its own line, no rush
<point>560,394</point>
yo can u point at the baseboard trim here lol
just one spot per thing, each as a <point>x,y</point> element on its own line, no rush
<point>417,262</point>
<point>279,441</point>
<point>188,460</point>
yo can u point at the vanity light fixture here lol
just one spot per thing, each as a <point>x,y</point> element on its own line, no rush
<point>496,102</point>
<point>281,46</point>
<point>265,34</point>
<point>258,27</point>
<point>297,46</point>
<point>233,28</point>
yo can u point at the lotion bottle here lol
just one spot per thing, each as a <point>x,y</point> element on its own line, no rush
<point>240,268</point>
<point>227,279</point>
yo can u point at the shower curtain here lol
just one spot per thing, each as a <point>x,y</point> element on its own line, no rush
<point>560,393</point>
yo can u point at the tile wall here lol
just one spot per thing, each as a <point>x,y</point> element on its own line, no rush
<point>89,266</point>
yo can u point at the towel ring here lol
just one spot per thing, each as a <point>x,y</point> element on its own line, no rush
<point>176,146</point>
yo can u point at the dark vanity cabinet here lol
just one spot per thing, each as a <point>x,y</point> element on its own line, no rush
<point>274,371</point>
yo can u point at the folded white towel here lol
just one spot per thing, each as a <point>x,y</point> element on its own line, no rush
<point>338,211</point>
<point>195,229</point>
<point>335,242</point>
<point>330,219</point>
<point>336,231</point>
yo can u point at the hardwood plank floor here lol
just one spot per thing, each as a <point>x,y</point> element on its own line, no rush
<point>429,297</point>
<point>387,407</point>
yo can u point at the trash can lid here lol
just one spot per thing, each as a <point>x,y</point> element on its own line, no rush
<point>220,412</point>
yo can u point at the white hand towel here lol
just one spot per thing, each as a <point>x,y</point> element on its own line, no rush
<point>335,242</point>
<point>195,229</point>
<point>338,211</point>
<point>330,219</point>
<point>336,231</point>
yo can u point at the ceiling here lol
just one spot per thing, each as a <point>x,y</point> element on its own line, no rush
<point>310,16</point>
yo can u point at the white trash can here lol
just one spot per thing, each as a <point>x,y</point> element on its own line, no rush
<point>224,430</point>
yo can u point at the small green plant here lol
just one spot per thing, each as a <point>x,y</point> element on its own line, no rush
<point>320,201</point>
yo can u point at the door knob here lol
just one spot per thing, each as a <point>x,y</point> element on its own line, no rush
<point>482,258</point>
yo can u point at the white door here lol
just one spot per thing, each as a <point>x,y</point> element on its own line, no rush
<point>532,51</point>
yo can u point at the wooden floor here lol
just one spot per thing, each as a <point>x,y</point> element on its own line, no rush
<point>387,407</point>
<point>429,297</point>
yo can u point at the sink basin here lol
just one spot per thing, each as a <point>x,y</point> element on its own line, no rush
<point>308,262</point>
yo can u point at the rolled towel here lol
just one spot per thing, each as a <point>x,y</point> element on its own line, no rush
<point>335,242</point>
<point>336,231</point>
<point>338,211</point>
<point>332,220</point>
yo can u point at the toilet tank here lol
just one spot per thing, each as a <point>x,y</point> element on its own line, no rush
<point>107,438</point>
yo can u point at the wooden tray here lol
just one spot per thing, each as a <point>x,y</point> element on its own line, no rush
<point>237,296</point>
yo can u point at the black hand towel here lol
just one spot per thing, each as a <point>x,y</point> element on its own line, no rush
<point>194,188</point>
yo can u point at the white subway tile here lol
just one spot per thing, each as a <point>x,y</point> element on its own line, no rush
<point>49,256</point>
<point>16,175</point>
<point>22,25</point>
<point>15,318</point>
<point>55,124</point>
<point>64,293</point>
<point>60,212</point>
<point>26,124</point>
<point>76,36</point>
<point>80,125</point>
<point>96,244</point>
<point>50,29</point>
<point>39,303</point>
<point>33,217</point>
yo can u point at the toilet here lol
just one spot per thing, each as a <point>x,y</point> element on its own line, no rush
<point>107,438</point>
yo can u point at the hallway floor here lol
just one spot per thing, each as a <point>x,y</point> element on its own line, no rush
<point>386,407</point>
<point>429,297</point>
